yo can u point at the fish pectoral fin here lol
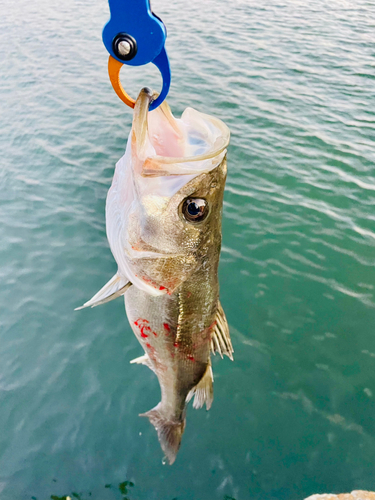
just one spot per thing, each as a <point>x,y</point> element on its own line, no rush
<point>220,341</point>
<point>143,360</point>
<point>115,287</point>
<point>169,431</point>
<point>203,392</point>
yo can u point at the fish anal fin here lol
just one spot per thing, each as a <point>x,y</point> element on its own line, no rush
<point>220,341</point>
<point>169,431</point>
<point>203,392</point>
<point>115,287</point>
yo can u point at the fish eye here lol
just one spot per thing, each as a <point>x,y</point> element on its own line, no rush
<point>195,209</point>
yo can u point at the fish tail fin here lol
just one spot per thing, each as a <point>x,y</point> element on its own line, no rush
<point>169,431</point>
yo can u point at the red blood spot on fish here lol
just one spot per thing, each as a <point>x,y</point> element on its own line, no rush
<point>142,326</point>
<point>155,334</point>
<point>141,320</point>
<point>162,288</point>
<point>191,357</point>
<point>176,344</point>
<point>148,345</point>
<point>167,327</point>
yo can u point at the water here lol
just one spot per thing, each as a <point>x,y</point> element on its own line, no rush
<point>294,413</point>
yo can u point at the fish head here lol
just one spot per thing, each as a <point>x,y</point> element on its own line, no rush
<point>164,212</point>
<point>171,237</point>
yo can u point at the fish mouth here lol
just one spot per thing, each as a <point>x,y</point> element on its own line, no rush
<point>165,145</point>
<point>142,250</point>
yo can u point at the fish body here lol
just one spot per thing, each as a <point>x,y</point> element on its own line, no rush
<point>175,330</point>
<point>163,216</point>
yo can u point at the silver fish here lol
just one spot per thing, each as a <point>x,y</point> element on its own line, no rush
<point>163,216</point>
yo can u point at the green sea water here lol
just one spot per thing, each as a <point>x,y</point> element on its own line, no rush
<point>294,414</point>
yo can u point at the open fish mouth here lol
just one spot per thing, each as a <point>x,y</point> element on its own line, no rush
<point>165,145</point>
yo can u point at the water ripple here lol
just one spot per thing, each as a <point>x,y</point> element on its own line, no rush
<point>294,81</point>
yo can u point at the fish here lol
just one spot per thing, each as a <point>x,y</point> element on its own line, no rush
<point>163,220</point>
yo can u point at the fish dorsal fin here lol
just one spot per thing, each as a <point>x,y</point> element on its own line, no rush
<point>203,392</point>
<point>115,287</point>
<point>220,341</point>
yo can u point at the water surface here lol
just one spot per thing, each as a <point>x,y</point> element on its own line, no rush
<point>294,413</point>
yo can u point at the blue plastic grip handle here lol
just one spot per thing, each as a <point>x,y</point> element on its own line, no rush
<point>162,63</point>
<point>135,18</point>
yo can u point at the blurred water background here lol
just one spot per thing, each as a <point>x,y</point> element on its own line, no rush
<point>294,413</point>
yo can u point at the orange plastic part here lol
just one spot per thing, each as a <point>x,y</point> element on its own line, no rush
<point>114,68</point>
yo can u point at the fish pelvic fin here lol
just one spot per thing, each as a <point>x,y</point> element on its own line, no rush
<point>143,360</point>
<point>220,341</point>
<point>115,287</point>
<point>169,431</point>
<point>203,392</point>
